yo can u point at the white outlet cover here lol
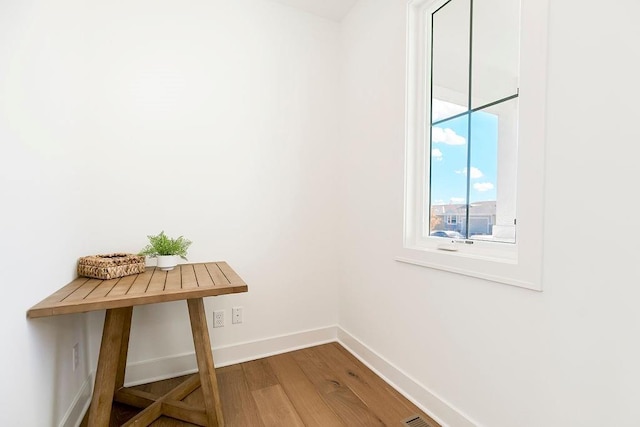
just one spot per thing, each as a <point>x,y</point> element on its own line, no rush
<point>218,318</point>
<point>236,315</point>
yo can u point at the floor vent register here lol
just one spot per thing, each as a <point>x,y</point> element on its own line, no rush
<point>415,421</point>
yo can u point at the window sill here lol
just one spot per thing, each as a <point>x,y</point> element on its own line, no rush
<point>499,271</point>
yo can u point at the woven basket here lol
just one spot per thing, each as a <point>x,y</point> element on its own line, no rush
<point>110,266</point>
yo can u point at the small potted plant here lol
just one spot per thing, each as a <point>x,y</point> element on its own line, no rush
<point>166,250</point>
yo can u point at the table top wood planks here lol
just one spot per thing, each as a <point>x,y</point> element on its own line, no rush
<point>185,281</point>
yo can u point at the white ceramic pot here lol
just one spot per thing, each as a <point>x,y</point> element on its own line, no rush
<point>167,262</point>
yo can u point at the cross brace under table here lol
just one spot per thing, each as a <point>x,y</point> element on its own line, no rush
<point>109,383</point>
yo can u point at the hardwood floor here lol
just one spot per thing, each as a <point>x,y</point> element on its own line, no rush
<point>321,386</point>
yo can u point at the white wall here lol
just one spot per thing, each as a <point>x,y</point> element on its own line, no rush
<point>215,120</point>
<point>499,355</point>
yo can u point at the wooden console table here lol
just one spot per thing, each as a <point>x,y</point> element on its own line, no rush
<point>190,282</point>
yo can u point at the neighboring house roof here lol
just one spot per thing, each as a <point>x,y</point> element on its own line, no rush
<point>477,208</point>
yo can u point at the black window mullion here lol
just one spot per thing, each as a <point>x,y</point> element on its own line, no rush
<point>469,105</point>
<point>428,231</point>
<point>473,110</point>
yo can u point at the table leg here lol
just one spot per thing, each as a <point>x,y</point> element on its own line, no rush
<point>124,348</point>
<point>111,364</point>
<point>204,357</point>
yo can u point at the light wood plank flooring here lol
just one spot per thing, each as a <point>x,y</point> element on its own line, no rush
<point>321,386</point>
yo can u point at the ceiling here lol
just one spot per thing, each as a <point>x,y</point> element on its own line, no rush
<point>334,10</point>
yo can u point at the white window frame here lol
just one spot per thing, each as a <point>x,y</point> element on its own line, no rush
<point>518,264</point>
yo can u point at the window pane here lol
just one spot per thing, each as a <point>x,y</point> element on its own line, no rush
<point>493,172</point>
<point>442,109</point>
<point>448,186</point>
<point>495,50</point>
<point>450,58</point>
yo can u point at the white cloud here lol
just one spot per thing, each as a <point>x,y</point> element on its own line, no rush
<point>483,186</point>
<point>475,172</point>
<point>455,200</point>
<point>447,136</point>
<point>444,109</point>
<point>436,154</point>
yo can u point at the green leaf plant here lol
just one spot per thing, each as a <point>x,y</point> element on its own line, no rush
<point>163,245</point>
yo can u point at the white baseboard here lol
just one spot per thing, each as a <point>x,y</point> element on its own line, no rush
<point>176,365</point>
<point>79,406</point>
<point>436,407</point>
<point>172,366</point>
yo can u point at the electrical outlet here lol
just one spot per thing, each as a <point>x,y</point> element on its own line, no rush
<point>75,352</point>
<point>236,315</point>
<point>218,318</point>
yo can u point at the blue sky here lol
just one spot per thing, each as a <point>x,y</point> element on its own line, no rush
<point>449,158</point>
